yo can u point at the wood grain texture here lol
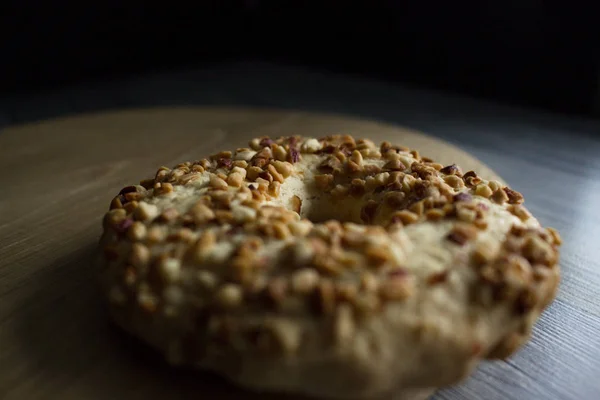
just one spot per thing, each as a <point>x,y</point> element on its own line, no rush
<point>58,178</point>
<point>554,161</point>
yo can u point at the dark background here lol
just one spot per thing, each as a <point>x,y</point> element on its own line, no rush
<point>532,53</point>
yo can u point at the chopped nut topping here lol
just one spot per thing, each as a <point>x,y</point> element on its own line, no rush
<point>235,179</point>
<point>454,181</point>
<point>483,190</point>
<point>300,228</point>
<point>377,255</point>
<point>123,225</point>
<point>485,252</point>
<point>137,231</point>
<point>243,214</point>
<point>130,207</point>
<point>526,301</point>
<point>116,202</point>
<point>156,234</point>
<point>255,144</point>
<point>556,239</point>
<point>367,213</point>
<point>346,291</point>
<point>161,174</point>
<point>471,179</point>
<point>499,196</point>
<point>293,155</point>
<point>281,230</point>
<point>207,279</point>
<point>140,255</point>
<point>394,165</point>
<point>284,168</point>
<point>275,174</point>
<point>408,182</point>
<point>224,216</point>
<point>370,153</point>
<point>327,265</point>
<point>369,282</point>
<point>371,169</point>
<point>330,165</point>
<point>147,301</point>
<point>265,142</point>
<point>494,185</point>
<point>241,164</point>
<point>356,157</point>
<point>274,189</point>
<point>435,214</point>
<point>418,208</point>
<point>398,286</point>
<point>224,162</point>
<point>243,155</point>
<point>305,280</point>
<point>326,296</point>
<point>452,169</point>
<point>229,296</point>
<point>202,213</point>
<point>262,156</point>
<point>217,183</point>
<point>280,153</point>
<point>311,146</point>
<point>357,187</point>
<point>520,212</point>
<point>462,196</point>
<point>437,278</point>
<point>340,191</point>
<point>287,334</point>
<point>204,245</point>
<point>324,182</point>
<point>538,251</point>
<point>353,168</point>
<point>277,290</point>
<point>405,216</point>
<point>296,203</point>
<point>169,215</point>
<point>462,233</point>
<point>423,171</point>
<point>162,188</point>
<point>367,304</point>
<point>518,271</point>
<point>147,183</point>
<point>513,196</point>
<point>170,269</point>
<point>218,233</point>
<point>253,172</point>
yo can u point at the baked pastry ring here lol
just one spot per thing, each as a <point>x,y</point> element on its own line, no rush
<point>328,267</point>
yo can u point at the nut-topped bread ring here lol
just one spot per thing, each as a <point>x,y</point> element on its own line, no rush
<point>329,267</point>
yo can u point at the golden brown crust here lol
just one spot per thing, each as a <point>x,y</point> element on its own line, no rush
<point>223,254</point>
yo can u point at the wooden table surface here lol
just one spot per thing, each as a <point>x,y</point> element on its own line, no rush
<point>553,161</point>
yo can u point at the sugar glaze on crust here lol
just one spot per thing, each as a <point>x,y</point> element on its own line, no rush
<point>328,267</point>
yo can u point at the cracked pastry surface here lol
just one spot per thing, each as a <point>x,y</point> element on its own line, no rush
<point>329,267</point>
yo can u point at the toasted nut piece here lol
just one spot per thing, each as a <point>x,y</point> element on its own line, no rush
<point>483,190</point>
<point>324,181</point>
<point>405,216</point>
